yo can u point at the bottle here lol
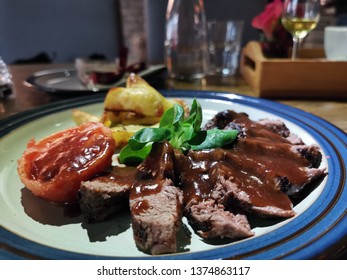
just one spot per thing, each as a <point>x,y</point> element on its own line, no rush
<point>6,85</point>
<point>186,39</point>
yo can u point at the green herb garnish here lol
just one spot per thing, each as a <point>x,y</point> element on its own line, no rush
<point>182,133</point>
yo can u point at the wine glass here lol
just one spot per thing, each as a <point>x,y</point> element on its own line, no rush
<point>299,17</point>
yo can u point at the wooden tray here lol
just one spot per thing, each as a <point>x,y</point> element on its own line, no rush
<point>309,76</point>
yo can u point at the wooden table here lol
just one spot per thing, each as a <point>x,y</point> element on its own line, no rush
<point>28,98</point>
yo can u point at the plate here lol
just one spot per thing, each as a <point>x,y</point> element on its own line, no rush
<point>65,81</point>
<point>32,228</point>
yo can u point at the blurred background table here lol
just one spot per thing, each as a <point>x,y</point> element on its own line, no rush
<point>30,97</point>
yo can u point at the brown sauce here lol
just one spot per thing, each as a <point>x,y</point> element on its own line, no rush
<point>145,188</point>
<point>120,175</point>
<point>253,164</point>
<point>140,207</point>
<point>151,175</point>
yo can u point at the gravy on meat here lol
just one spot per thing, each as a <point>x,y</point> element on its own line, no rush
<point>253,163</point>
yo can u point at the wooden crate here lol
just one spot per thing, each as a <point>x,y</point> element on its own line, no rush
<point>309,76</point>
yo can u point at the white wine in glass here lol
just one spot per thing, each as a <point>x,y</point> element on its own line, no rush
<point>299,17</point>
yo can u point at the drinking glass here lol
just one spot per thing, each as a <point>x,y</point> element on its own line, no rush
<point>224,46</point>
<point>300,17</point>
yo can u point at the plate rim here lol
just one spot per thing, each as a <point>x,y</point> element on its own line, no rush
<point>9,124</point>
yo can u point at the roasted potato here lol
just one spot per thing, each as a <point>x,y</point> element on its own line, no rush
<point>128,109</point>
<point>137,103</point>
<point>81,117</point>
<point>122,133</point>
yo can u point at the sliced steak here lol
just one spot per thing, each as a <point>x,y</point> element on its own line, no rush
<point>272,146</point>
<point>156,218</point>
<point>231,181</point>
<point>229,119</point>
<point>276,126</point>
<point>156,203</point>
<point>212,220</point>
<point>207,215</point>
<point>280,128</point>
<point>222,119</point>
<point>215,189</point>
<point>311,153</point>
<point>264,202</point>
<point>106,194</point>
<point>313,175</point>
<point>256,174</point>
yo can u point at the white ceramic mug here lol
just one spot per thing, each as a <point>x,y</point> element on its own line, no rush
<point>335,42</point>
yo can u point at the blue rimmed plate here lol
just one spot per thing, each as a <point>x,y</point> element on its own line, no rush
<point>32,228</point>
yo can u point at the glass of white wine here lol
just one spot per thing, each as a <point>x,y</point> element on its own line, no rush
<point>299,17</point>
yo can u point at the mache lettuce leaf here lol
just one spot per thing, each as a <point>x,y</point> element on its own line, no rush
<point>182,133</point>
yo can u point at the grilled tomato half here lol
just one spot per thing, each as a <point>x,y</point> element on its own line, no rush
<point>54,167</point>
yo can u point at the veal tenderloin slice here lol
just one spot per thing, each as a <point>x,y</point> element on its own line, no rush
<point>106,194</point>
<point>156,203</point>
<point>207,215</point>
<point>212,220</point>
